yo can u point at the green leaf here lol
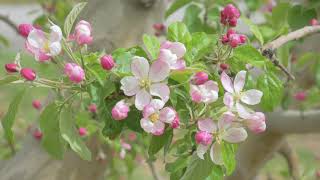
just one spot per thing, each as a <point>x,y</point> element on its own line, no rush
<point>198,168</point>
<point>272,89</point>
<point>70,134</point>
<point>157,142</point>
<point>249,54</point>
<point>217,173</point>
<point>152,44</point>
<point>10,116</point>
<point>178,164</point>
<point>299,17</point>
<point>8,79</point>
<point>178,32</point>
<point>280,15</point>
<point>133,120</point>
<point>177,4</point>
<point>72,16</point>
<point>52,141</point>
<point>229,156</point>
<point>192,20</point>
<point>254,29</point>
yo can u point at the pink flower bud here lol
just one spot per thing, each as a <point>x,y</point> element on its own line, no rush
<point>92,108</point>
<point>107,62</point>
<point>224,39</point>
<point>37,104</point>
<point>243,38</point>
<point>74,72</point>
<point>83,32</point>
<point>120,111</point>
<point>176,122</point>
<point>229,15</point>
<point>82,131</point>
<point>132,136</point>
<point>257,122</point>
<point>314,22</point>
<point>233,22</point>
<point>28,74</point>
<point>230,31</point>
<point>203,137</point>
<point>25,29</point>
<point>234,40</point>
<point>300,96</point>
<point>224,66</point>
<point>200,78</point>
<point>159,26</point>
<point>37,134</point>
<point>12,67</point>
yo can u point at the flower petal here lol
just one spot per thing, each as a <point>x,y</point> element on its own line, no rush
<point>207,125</point>
<point>228,100</point>
<point>157,104</point>
<point>178,49</point>
<point>215,154</point>
<point>226,120</point>
<point>167,56</point>
<point>161,90</point>
<point>179,65</point>
<point>201,150</point>
<point>140,67</point>
<point>209,91</point>
<point>167,115</point>
<point>243,112</point>
<point>55,48</point>
<point>159,71</point>
<point>143,98</point>
<point>146,125</point>
<point>130,85</point>
<point>55,34</point>
<point>158,128</point>
<point>235,135</point>
<point>36,39</point>
<point>251,97</point>
<point>239,81</point>
<point>226,82</point>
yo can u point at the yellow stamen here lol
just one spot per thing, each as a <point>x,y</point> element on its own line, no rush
<point>154,117</point>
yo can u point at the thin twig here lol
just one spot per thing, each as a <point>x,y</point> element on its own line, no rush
<point>9,22</point>
<point>153,170</point>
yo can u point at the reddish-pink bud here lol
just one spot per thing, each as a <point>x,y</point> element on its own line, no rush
<point>82,131</point>
<point>159,26</point>
<point>37,104</point>
<point>229,15</point>
<point>224,66</point>
<point>203,137</point>
<point>224,39</point>
<point>107,62</point>
<point>314,22</point>
<point>257,122</point>
<point>243,38</point>
<point>176,122</point>
<point>200,78</point>
<point>233,22</point>
<point>25,29</point>
<point>234,40</point>
<point>120,111</point>
<point>37,134</point>
<point>12,67</point>
<point>230,31</point>
<point>300,96</point>
<point>28,74</point>
<point>92,108</point>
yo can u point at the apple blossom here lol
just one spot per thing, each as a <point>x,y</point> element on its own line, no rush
<point>107,62</point>
<point>83,33</point>
<point>37,104</point>
<point>235,95</point>
<point>74,72</point>
<point>82,131</point>
<point>44,46</point>
<point>146,81</point>
<point>120,110</point>
<point>155,117</point>
<point>12,67</point>
<point>28,74</point>
<point>206,93</point>
<point>25,29</point>
<point>256,122</point>
<point>176,122</point>
<point>200,78</point>
<point>172,53</point>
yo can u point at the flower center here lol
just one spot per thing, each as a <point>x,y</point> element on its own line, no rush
<point>154,117</point>
<point>237,96</point>
<point>46,47</point>
<point>144,83</point>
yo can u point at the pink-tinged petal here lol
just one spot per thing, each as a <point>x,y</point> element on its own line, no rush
<point>239,81</point>
<point>167,115</point>
<point>55,34</point>
<point>158,128</point>
<point>125,145</point>
<point>122,154</point>
<point>159,71</point>
<point>130,85</point>
<point>178,49</point>
<point>142,99</point>
<point>160,90</point>
<point>226,82</point>
<point>36,39</point>
<point>157,104</point>
<point>41,56</point>
<point>235,135</point>
<point>179,65</point>
<point>226,120</point>
<point>257,122</point>
<point>207,125</point>
<point>195,94</point>
<point>165,45</point>
<point>148,110</point>
<point>215,154</point>
<point>167,56</point>
<point>201,150</point>
<point>146,125</point>
<point>140,67</point>
<point>243,112</point>
<point>251,97</point>
<point>209,91</point>
<point>228,100</point>
<point>55,48</point>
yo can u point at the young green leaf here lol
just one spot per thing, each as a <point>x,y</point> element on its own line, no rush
<point>254,29</point>
<point>299,17</point>
<point>229,156</point>
<point>152,44</point>
<point>192,20</point>
<point>178,164</point>
<point>157,142</point>
<point>70,134</point>
<point>72,16</point>
<point>176,5</point>
<point>249,54</point>
<point>52,141</point>
<point>178,32</point>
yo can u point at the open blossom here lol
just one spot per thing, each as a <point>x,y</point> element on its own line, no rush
<point>206,93</point>
<point>74,72</point>
<point>146,81</point>
<point>172,53</point>
<point>83,33</point>
<point>224,130</point>
<point>155,117</point>
<point>120,110</point>
<point>44,46</point>
<point>235,95</point>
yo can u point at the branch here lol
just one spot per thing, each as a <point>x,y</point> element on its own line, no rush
<point>9,22</point>
<point>292,159</point>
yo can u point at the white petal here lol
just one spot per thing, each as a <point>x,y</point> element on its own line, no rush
<point>251,97</point>
<point>209,91</point>
<point>130,85</point>
<point>161,90</point>
<point>179,65</point>
<point>143,98</point>
<point>243,112</point>
<point>36,39</point>
<point>228,100</point>
<point>178,49</point>
<point>235,135</point>
<point>201,150</point>
<point>158,128</point>
<point>226,82</point>
<point>207,125</point>
<point>226,120</point>
<point>55,48</point>
<point>239,81</point>
<point>215,154</point>
<point>159,71</point>
<point>55,34</point>
<point>157,104</point>
<point>167,115</point>
<point>146,125</point>
<point>140,67</point>
<point>167,56</point>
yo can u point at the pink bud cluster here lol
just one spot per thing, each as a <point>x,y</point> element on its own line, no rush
<point>229,15</point>
<point>27,73</point>
<point>233,39</point>
<point>74,72</point>
<point>159,28</point>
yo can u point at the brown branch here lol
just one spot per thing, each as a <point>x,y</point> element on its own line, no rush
<point>9,22</point>
<point>292,159</point>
